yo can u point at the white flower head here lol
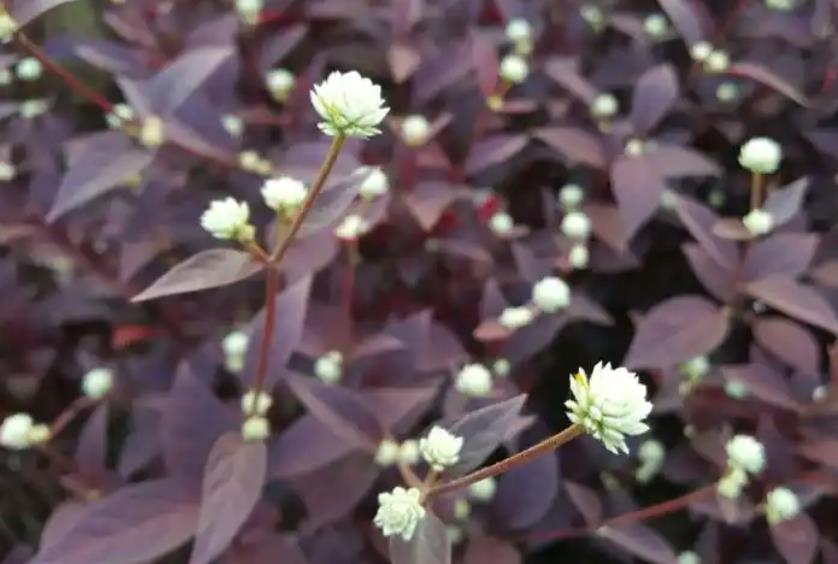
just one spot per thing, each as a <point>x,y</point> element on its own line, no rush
<point>761,155</point>
<point>235,343</point>
<point>14,431</point>
<point>593,15</point>
<point>152,132</point>
<point>781,504</point>
<point>409,452</point>
<point>501,223</point>
<point>514,69</point>
<point>484,490</point>
<point>732,483</point>
<point>253,403</point>
<point>119,115</point>
<point>29,68</point>
<point>655,25</point>
<point>820,393</point>
<point>474,380</point>
<point>781,5</point>
<point>717,61</point>
<point>349,104</point>
<point>700,50</point>
<point>727,92</point>
<point>7,172</point>
<point>576,225</point>
<point>232,124</point>
<point>579,256</point>
<point>375,184</point>
<point>39,434</point>
<point>251,161</point>
<point>604,106</point>
<point>228,219</point>
<point>8,26</point>
<point>551,294</point>
<point>736,389</point>
<point>280,83</point>
<point>249,10</point>
<point>516,317</point>
<point>695,368</point>
<point>462,509</point>
<point>351,227</point>
<point>399,512</point>
<point>284,195</point>
<point>689,557</point>
<point>256,429</point>
<point>518,29</point>
<point>611,405</point>
<point>635,147</point>
<point>440,448</point>
<point>570,196</point>
<point>758,222</point>
<point>97,383</point>
<point>415,130</point>
<point>30,109</point>
<point>328,368</point>
<point>747,453</point>
<point>6,76</point>
<point>501,368</point>
<point>387,453</point>
<point>651,452</point>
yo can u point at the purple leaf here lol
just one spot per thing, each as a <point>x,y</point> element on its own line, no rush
<point>492,151</point>
<point>684,17</point>
<point>640,541</point>
<point>305,446</point>
<point>526,493</point>
<point>716,279</point>
<point>796,539</point>
<point>139,523</point>
<point>232,485</point>
<point>586,501</point>
<point>332,203</point>
<point>403,60</point>
<point>489,550</point>
<point>789,342</point>
<point>654,94</point>
<point>182,77</point>
<point>700,220</point>
<point>782,254</point>
<point>428,200</point>
<point>106,160</point>
<point>24,11</point>
<point>207,269</point>
<point>91,455</point>
<point>277,45</point>
<point>429,545</point>
<point>637,186</point>
<point>674,161</point>
<point>769,78</point>
<point>399,408</point>
<point>565,71</point>
<point>577,145</point>
<point>676,330</point>
<point>797,300</point>
<point>441,71</point>
<point>485,57</point>
<point>784,204</point>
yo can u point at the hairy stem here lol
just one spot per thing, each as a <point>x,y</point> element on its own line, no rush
<point>547,445</point>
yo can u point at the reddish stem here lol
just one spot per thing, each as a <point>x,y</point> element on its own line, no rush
<point>271,287</point>
<point>70,413</point>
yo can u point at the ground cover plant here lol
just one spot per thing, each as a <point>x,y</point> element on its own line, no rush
<point>418,281</point>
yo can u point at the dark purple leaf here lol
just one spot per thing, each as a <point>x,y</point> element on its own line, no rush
<point>674,161</point>
<point>332,203</point>
<point>797,300</point>
<point>399,408</point>
<point>204,270</point>
<point>716,279</point>
<point>183,76</point>
<point>441,71</point>
<point>654,94</point>
<point>139,523</point>
<point>485,57</point>
<point>565,71</point>
<point>784,204</point>
<point>637,186</point>
<point>429,545</point>
<point>526,493</point>
<point>769,78</point>
<point>782,254</point>
<point>403,60</point>
<point>586,501</point>
<point>796,539</point>
<point>700,220</point>
<point>277,45</point>
<point>826,273</point>
<point>786,340</point>
<point>640,541</point>
<point>91,455</point>
<point>684,17</point>
<point>232,484</point>
<point>489,550</point>
<point>142,444</point>
<point>493,150</point>
<point>24,11</point>
<point>576,145</point>
<point>428,200</point>
<point>676,330</point>
<point>63,518</point>
<point>305,446</point>
<point>762,382</point>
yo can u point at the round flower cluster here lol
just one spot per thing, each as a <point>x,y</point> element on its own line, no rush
<point>375,184</point>
<point>651,454</point>
<point>745,455</point>
<point>399,512</point>
<point>351,227</point>
<point>19,432</point>
<point>229,219</point>
<point>328,368</point>
<point>758,222</point>
<point>483,490</point>
<point>519,32</point>
<point>249,10</point>
<point>474,380</point>
<point>284,195</point>
<point>440,448</point>
<point>280,83</point>
<point>349,104</point>
<point>415,130</point>
<point>781,504</point>
<point>513,318</point>
<point>761,155</point>
<point>29,69</point>
<point>97,383</point>
<point>234,346</point>
<point>514,69</point>
<point>256,403</point>
<point>604,106</point>
<point>551,294</point>
<point>256,428</point>
<point>656,25</point>
<point>570,196</point>
<point>576,225</point>
<point>501,224</point>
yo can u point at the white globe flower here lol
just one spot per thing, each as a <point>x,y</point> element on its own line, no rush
<point>758,222</point>
<point>516,317</point>
<point>781,504</point>
<point>761,155</point>
<point>284,195</point>
<point>576,225</point>
<point>484,490</point>
<point>689,557</point>
<point>570,196</point>
<point>152,132</point>
<point>376,184</point>
<point>655,25</point>
<point>97,383</point>
<point>732,483</point>
<point>440,448</point>
<point>39,434</point>
<point>7,172</point>
<point>634,147</point>
<point>399,512</point>
<point>604,106</point>
<point>514,69</point>
<point>579,257</point>
<point>329,367</point>
<point>228,219</point>
<point>474,380</point>
<point>611,405</point>
<point>8,26</point>
<point>462,509</point>
<point>280,83</point>
<point>501,368</point>
<point>29,68</point>
<point>6,76</point>
<point>700,51</point>
<point>235,343</point>
<point>736,389</point>
<point>501,223</point>
<point>415,130</point>
<point>781,5</point>
<point>14,431</point>
<point>409,452</point>
<point>717,61</point>
<point>551,294</point>
<point>820,393</point>
<point>251,161</point>
<point>30,109</point>
<point>727,92</point>
<point>695,368</point>
<point>253,403</point>
<point>387,453</point>
<point>746,453</point>
<point>351,227</point>
<point>232,124</point>
<point>518,29</point>
<point>119,115</point>
<point>249,10</point>
<point>593,15</point>
<point>651,452</point>
<point>256,429</point>
<point>349,104</point>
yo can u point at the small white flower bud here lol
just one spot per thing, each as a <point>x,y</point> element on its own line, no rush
<point>256,429</point>
<point>695,368</point>
<point>604,106</point>
<point>7,172</point>
<point>579,257</point>
<point>655,25</point>
<point>40,434</point>
<point>716,198</point>
<point>415,130</point>
<point>30,109</point>
<point>462,509</point>
<point>514,69</point>
<point>758,222</point>
<point>250,161</point>
<point>387,453</point>
<point>781,5</point>
<point>781,504</point>
<point>8,26</point>
<point>484,490</point>
<point>228,219</point>
<point>634,147</point>
<point>14,431</point>
<point>455,534</point>
<point>233,125</point>
<point>700,51</point>
<point>501,223</point>
<point>474,380</point>
<point>253,404</point>
<point>409,452</point>
<point>6,76</point>
<point>732,483</point>
<point>518,29</point>
<point>570,196</point>
<point>727,92</point>
<point>280,83</point>
<point>119,115</point>
<point>651,452</point>
<point>501,368</point>
<point>375,185</point>
<point>329,367</point>
<point>717,61</point>
<point>593,15</point>
<point>689,557</point>
<point>399,512</point>
<point>349,105</point>
<point>576,225</point>
<point>249,10</point>
<point>736,389</point>
<point>351,227</point>
<point>97,383</point>
<point>440,448</point>
<point>152,132</point>
<point>551,294</point>
<point>29,68</point>
<point>234,346</point>
<point>761,155</point>
<point>820,393</point>
<point>516,317</point>
<point>745,452</point>
<point>284,195</point>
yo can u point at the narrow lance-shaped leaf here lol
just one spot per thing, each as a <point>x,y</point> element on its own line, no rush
<point>492,151</point>
<point>797,300</point>
<point>637,186</point>
<point>640,541</point>
<point>654,94</point>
